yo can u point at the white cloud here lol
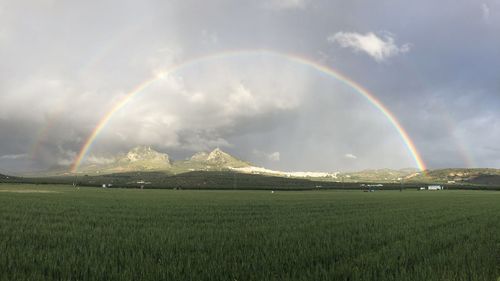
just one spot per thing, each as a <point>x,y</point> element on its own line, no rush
<point>350,156</point>
<point>275,156</point>
<point>14,156</point>
<point>285,4</point>
<point>485,9</point>
<point>197,142</point>
<point>380,48</point>
<point>99,160</point>
<point>241,100</point>
<point>196,110</point>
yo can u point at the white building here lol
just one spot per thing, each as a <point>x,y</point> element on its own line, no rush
<point>435,187</point>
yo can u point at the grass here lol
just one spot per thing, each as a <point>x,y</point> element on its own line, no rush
<point>128,234</point>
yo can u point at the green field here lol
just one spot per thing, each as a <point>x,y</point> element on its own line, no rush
<point>62,233</point>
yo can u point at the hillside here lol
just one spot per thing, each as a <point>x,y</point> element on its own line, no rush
<point>195,180</point>
<point>379,175</point>
<point>144,158</point>
<point>268,172</point>
<point>459,175</point>
<point>216,160</point>
<point>442,176</point>
<point>486,180</point>
<point>141,158</point>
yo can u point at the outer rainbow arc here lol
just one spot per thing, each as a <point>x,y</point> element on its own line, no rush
<point>290,57</point>
<point>388,114</point>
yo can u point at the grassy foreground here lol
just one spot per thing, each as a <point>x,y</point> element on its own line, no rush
<point>61,233</point>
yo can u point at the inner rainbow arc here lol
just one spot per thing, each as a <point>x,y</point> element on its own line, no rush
<point>290,57</point>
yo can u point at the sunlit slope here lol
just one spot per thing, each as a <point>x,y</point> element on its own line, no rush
<point>213,161</point>
<point>458,176</point>
<point>144,158</point>
<point>379,175</point>
<point>444,176</point>
<point>141,158</point>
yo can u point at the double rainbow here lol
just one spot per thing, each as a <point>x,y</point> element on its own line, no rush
<point>286,56</point>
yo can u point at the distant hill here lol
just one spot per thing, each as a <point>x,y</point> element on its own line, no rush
<point>141,158</point>
<point>459,176</point>
<point>267,172</point>
<point>193,180</point>
<point>216,160</point>
<point>233,179</point>
<point>450,176</point>
<point>486,180</point>
<point>144,158</point>
<point>379,175</point>
<point>7,178</point>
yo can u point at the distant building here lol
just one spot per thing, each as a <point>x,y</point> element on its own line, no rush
<point>431,187</point>
<point>371,185</point>
<point>435,187</point>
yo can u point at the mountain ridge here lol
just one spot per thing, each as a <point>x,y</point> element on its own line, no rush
<point>145,158</point>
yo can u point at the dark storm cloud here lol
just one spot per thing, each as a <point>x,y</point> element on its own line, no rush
<point>433,64</point>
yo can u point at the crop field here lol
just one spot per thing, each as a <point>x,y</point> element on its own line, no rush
<point>63,233</point>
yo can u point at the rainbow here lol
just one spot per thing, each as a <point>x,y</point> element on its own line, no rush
<point>451,124</point>
<point>42,135</point>
<point>286,56</point>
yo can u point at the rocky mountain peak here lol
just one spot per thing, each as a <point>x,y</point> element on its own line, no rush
<point>145,158</point>
<point>218,155</point>
<point>146,153</point>
<point>222,159</point>
<point>199,156</point>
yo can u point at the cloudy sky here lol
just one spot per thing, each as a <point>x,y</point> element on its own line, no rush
<point>433,64</point>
